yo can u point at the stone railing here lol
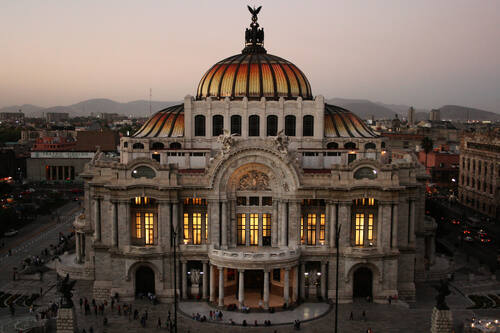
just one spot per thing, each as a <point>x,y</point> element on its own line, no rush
<point>239,258</point>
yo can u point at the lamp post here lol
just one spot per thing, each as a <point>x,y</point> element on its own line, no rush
<point>337,236</point>
<point>174,242</point>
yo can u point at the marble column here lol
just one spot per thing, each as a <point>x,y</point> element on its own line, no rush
<point>295,287</point>
<point>283,224</point>
<point>221,286</point>
<point>302,281</point>
<point>164,223</point>
<point>114,226</point>
<point>266,289</point>
<point>124,223</point>
<point>395,218</point>
<point>212,282</point>
<point>328,211</point>
<point>286,288</point>
<point>241,288</point>
<point>323,280</point>
<point>205,281</point>
<point>184,280</point>
<point>412,223</point>
<point>259,237</point>
<point>274,224</point>
<point>97,219</point>
<point>333,223</point>
<point>380,224</point>
<point>224,225</point>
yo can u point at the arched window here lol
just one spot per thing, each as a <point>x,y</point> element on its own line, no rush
<point>195,221</point>
<point>253,125</point>
<point>350,145</point>
<point>236,124</point>
<point>143,171</point>
<point>157,146</point>
<point>290,125</point>
<point>138,145</point>
<point>308,126</point>
<point>365,173</point>
<point>370,145</point>
<point>364,222</point>
<point>175,145</point>
<point>332,145</point>
<point>272,125</point>
<point>217,125</point>
<point>199,125</point>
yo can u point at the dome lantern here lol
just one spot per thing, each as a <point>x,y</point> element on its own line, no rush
<point>254,73</point>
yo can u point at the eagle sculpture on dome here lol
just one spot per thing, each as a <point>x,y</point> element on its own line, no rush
<point>254,12</point>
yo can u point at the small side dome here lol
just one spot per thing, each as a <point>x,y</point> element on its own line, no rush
<point>166,123</point>
<point>342,123</point>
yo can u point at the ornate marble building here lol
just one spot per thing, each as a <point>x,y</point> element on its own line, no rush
<point>251,179</point>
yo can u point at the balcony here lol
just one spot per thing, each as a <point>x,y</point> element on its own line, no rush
<point>253,257</point>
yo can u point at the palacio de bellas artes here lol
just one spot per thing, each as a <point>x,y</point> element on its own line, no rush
<point>265,191</point>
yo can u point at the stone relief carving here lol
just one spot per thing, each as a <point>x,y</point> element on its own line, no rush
<point>254,180</point>
<point>281,142</point>
<point>227,141</point>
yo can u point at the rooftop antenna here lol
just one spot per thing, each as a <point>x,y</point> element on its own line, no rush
<point>150,95</point>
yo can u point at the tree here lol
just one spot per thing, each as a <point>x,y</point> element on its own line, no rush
<point>427,146</point>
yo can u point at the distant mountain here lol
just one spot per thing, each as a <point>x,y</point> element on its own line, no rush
<point>138,108</point>
<point>27,109</point>
<point>457,112</point>
<point>363,108</point>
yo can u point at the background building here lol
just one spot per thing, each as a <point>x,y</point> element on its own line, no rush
<point>55,117</point>
<point>479,182</point>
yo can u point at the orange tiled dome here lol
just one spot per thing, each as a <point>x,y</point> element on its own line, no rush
<point>254,75</point>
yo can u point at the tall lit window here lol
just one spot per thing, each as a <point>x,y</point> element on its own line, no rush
<point>241,229</point>
<point>197,228</point>
<point>302,240</point>
<point>186,227</point>
<point>254,229</point>
<point>195,219</point>
<point>322,228</point>
<point>266,229</point>
<point>149,228</point>
<point>138,225</point>
<point>370,227</point>
<point>311,229</point>
<point>360,225</point>
<point>143,224</point>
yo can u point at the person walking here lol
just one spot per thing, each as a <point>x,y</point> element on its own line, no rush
<point>159,323</point>
<point>363,315</point>
<point>351,316</point>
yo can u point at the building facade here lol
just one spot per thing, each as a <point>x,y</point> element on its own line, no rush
<point>250,181</point>
<point>479,181</point>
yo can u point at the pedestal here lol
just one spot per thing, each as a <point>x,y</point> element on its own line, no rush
<point>195,290</point>
<point>66,321</point>
<point>441,321</point>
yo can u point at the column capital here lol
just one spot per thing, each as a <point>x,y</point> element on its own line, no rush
<point>183,261</point>
<point>240,270</point>
<point>205,261</point>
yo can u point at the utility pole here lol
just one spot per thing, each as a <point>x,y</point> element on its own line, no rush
<point>337,236</point>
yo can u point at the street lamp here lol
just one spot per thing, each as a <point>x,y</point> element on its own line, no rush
<point>337,236</point>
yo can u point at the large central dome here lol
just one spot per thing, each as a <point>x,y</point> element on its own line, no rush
<point>254,73</point>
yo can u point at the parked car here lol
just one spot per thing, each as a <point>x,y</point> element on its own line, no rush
<point>10,233</point>
<point>468,239</point>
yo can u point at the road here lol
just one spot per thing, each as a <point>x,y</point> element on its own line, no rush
<point>452,233</point>
<point>35,237</point>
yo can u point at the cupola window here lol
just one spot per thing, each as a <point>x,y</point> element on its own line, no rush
<point>217,125</point>
<point>253,125</point>
<point>236,124</point>
<point>272,125</point>
<point>199,125</point>
<point>308,126</point>
<point>290,125</point>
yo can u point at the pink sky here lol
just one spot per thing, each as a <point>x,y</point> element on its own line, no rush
<point>424,53</point>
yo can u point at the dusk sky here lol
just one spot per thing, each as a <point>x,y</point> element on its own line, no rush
<point>424,53</point>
